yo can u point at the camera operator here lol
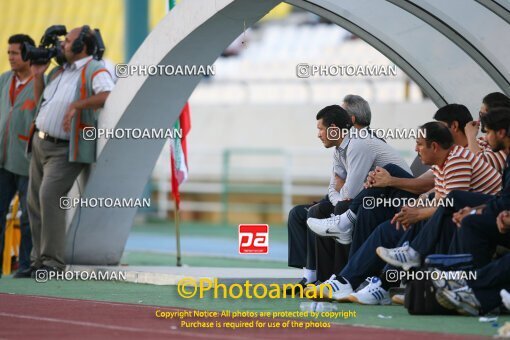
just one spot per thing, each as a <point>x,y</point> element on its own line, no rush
<point>68,100</point>
<point>17,109</point>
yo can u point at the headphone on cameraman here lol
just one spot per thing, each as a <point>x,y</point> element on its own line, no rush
<point>79,42</point>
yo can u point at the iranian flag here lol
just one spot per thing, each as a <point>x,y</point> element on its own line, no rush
<point>179,153</point>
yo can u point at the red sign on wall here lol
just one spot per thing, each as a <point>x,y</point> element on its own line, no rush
<point>253,239</point>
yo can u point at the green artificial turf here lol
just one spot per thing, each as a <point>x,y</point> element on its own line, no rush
<point>137,258</point>
<point>164,227</point>
<point>162,296</point>
<point>394,317</point>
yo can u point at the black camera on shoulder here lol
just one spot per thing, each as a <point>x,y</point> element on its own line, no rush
<point>51,47</point>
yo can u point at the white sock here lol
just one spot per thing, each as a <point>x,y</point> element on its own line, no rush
<point>346,222</point>
<point>310,275</point>
<point>352,216</point>
<point>505,297</point>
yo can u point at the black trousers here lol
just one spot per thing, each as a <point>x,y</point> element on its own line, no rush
<point>301,239</point>
<point>332,257</point>
<point>365,262</point>
<point>439,234</point>
<point>490,280</point>
<point>479,236</point>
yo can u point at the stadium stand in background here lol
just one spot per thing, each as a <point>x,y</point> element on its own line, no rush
<point>269,113</point>
<point>255,86</point>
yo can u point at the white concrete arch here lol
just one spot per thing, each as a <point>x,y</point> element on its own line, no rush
<point>498,7</point>
<point>430,58</point>
<point>195,33</point>
<point>487,44</point>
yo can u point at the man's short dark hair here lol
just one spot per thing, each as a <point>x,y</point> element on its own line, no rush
<point>454,113</point>
<point>335,114</point>
<point>21,39</point>
<point>497,119</point>
<point>496,99</point>
<point>437,132</point>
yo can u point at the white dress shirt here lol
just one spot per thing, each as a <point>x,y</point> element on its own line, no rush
<point>60,94</point>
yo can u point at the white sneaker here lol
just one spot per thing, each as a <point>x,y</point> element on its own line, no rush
<point>463,300</point>
<point>372,294</point>
<point>505,296</point>
<point>328,227</point>
<point>339,291</point>
<point>403,257</point>
<point>453,284</point>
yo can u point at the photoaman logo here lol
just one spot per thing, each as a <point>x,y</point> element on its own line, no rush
<point>253,239</point>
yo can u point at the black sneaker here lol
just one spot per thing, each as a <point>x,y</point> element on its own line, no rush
<point>301,283</point>
<point>25,273</point>
<point>295,288</point>
<point>45,269</point>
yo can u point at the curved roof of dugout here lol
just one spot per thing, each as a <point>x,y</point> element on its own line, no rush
<point>456,51</point>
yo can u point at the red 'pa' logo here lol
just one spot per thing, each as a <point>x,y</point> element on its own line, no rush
<point>253,239</point>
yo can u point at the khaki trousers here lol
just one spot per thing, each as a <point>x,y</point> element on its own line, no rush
<point>51,177</point>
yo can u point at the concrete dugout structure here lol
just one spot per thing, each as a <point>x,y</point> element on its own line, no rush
<point>456,50</point>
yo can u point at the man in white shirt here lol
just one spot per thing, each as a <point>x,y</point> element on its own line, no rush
<point>70,96</point>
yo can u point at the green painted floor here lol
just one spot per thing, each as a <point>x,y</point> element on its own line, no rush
<point>167,296</point>
<point>164,259</point>
<point>189,228</point>
<point>377,316</point>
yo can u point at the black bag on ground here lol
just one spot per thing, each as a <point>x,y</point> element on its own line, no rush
<point>420,295</point>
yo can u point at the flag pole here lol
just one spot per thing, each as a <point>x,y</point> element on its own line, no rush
<point>177,234</point>
<point>171,4</point>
